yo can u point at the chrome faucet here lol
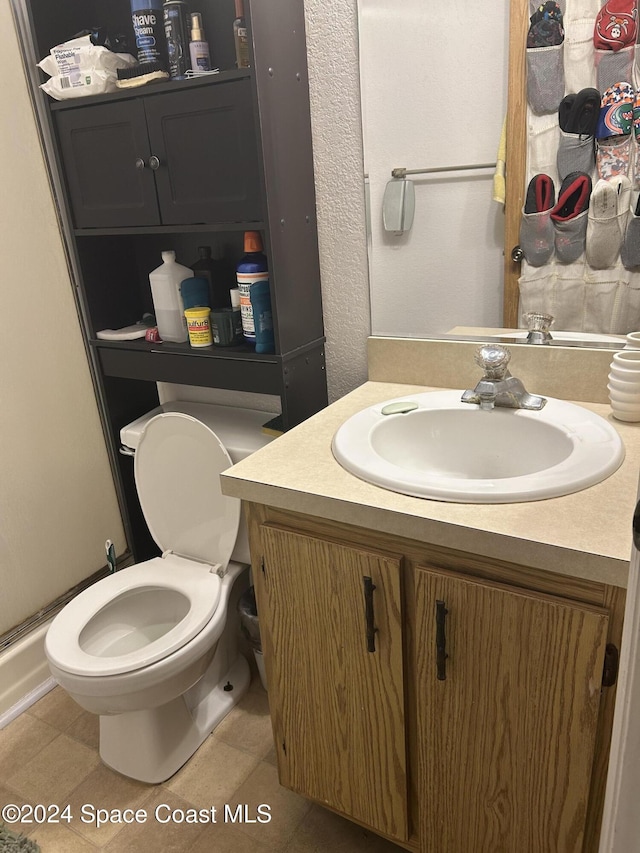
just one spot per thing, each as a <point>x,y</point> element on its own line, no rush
<point>498,387</point>
<point>538,325</point>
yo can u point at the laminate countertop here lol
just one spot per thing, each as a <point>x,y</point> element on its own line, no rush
<point>586,534</point>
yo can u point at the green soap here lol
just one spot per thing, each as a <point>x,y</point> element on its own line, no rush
<point>399,408</point>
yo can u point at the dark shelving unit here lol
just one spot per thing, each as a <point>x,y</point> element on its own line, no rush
<point>176,165</point>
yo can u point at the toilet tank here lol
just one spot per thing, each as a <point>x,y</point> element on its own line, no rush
<point>239,430</point>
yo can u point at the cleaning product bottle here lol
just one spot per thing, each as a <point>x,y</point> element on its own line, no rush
<point>251,269</point>
<point>240,37</point>
<point>216,273</point>
<point>167,300</point>
<point>198,47</point>
<point>262,316</point>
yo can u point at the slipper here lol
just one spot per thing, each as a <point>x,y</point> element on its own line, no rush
<point>579,113</point>
<point>603,238</point>
<point>573,198</point>
<point>536,228</point>
<point>615,25</point>
<point>570,215</point>
<point>616,111</point>
<point>635,111</point>
<point>540,194</point>
<point>630,251</point>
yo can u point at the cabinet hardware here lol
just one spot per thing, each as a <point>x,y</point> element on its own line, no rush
<point>517,254</point>
<point>154,162</point>
<point>610,668</point>
<point>140,164</point>
<point>441,641</point>
<point>369,587</point>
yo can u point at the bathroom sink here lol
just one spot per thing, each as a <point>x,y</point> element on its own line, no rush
<point>434,446</point>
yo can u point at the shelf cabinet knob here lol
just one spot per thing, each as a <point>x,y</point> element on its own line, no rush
<point>154,162</point>
<point>140,164</point>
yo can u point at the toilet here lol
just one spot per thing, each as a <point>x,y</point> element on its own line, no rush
<point>153,647</point>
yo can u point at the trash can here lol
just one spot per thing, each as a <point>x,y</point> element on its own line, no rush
<point>251,629</point>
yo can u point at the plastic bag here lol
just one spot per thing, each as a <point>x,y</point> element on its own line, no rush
<point>78,68</point>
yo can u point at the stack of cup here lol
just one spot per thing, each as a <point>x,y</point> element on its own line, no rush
<point>633,341</point>
<point>624,385</point>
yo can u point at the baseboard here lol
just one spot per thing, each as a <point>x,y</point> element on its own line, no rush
<point>24,675</point>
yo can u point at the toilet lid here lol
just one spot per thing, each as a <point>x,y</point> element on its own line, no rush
<point>177,466</point>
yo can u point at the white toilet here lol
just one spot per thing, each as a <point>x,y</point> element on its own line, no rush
<point>153,648</point>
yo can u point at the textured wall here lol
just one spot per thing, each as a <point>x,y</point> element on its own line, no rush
<point>332,39</point>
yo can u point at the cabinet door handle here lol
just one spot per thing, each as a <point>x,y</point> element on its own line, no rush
<point>140,164</point>
<point>154,162</point>
<point>369,587</point>
<point>441,641</point>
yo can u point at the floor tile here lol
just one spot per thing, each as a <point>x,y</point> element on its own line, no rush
<point>213,774</point>
<point>224,837</point>
<point>162,832</point>
<point>57,709</point>
<point>86,729</point>
<point>21,740</point>
<point>248,725</point>
<point>105,791</point>
<point>285,809</point>
<point>323,830</point>
<point>58,838</point>
<point>9,797</point>
<point>55,772</point>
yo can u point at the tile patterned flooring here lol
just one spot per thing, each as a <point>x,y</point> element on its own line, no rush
<point>49,755</point>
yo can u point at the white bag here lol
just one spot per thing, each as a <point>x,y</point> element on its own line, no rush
<point>79,68</point>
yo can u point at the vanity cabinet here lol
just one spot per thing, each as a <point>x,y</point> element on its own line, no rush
<point>336,682</point>
<point>448,702</point>
<point>174,166</point>
<point>507,718</point>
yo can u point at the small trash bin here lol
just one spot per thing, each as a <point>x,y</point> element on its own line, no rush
<point>251,629</point>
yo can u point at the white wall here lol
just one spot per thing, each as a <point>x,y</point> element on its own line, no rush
<point>57,499</point>
<point>434,93</point>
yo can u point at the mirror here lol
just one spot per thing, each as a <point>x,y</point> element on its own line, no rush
<point>434,97</point>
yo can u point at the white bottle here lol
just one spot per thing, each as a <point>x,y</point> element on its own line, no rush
<point>167,299</point>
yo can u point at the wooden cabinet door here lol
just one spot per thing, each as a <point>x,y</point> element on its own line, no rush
<point>103,148</point>
<point>337,707</point>
<point>506,738</point>
<point>205,140</point>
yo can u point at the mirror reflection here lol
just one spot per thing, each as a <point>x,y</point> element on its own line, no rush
<point>424,112</point>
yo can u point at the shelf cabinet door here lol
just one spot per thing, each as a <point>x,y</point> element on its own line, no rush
<point>338,709</point>
<point>506,739</point>
<point>205,140</point>
<point>102,149</point>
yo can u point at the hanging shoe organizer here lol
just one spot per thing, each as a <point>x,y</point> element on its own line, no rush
<point>580,224</point>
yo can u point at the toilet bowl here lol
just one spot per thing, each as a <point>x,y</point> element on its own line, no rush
<point>152,648</point>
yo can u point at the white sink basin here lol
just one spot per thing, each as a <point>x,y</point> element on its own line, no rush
<point>452,451</point>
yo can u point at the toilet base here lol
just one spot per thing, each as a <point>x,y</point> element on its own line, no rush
<point>152,745</point>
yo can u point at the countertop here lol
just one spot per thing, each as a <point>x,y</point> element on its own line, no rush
<point>586,534</point>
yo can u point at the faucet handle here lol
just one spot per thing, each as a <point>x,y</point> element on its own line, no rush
<point>494,360</point>
<point>538,322</point>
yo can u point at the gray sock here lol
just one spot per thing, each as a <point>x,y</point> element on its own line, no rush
<point>630,251</point>
<point>570,237</point>
<point>576,153</point>
<point>545,78</point>
<point>536,237</point>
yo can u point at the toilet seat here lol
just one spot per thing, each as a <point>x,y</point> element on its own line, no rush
<point>142,614</point>
<point>78,641</point>
<point>177,469</point>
